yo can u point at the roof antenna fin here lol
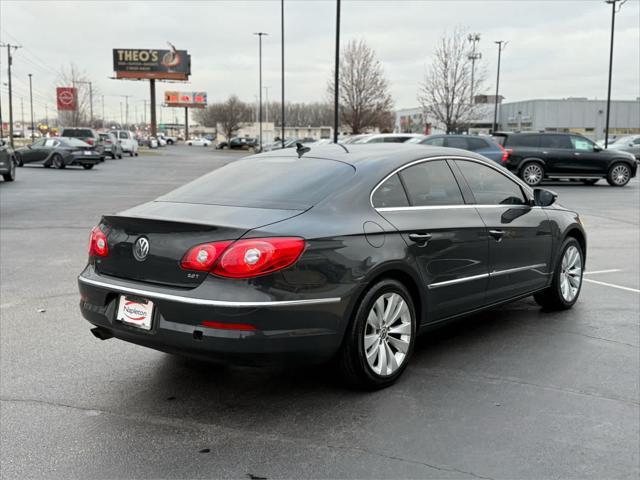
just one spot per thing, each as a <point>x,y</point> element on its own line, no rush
<point>301,149</point>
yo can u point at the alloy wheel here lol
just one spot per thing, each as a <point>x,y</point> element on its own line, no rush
<point>387,334</point>
<point>620,174</point>
<point>532,174</point>
<point>571,273</point>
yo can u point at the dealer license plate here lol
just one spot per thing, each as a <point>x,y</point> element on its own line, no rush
<point>88,152</point>
<point>135,311</point>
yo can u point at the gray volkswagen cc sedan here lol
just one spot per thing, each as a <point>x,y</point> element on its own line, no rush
<point>342,253</point>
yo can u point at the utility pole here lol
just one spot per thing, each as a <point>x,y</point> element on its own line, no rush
<point>266,102</point>
<point>337,76</point>
<point>103,119</point>
<point>260,35</point>
<point>46,115</point>
<point>9,62</point>
<point>614,10</point>
<point>126,109</point>
<point>22,115</point>
<point>282,68</point>
<point>501,44</point>
<point>31,102</point>
<point>121,118</point>
<point>474,38</point>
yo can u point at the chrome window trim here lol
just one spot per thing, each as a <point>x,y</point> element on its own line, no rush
<point>203,301</point>
<point>516,180</point>
<point>450,207</point>
<point>495,273</point>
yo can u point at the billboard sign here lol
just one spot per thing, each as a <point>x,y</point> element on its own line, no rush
<point>145,64</point>
<point>185,99</point>
<point>67,98</point>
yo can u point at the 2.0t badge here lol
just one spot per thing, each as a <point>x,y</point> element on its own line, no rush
<point>141,249</point>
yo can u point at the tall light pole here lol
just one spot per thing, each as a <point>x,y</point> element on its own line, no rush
<point>31,105</point>
<point>473,38</point>
<point>266,101</point>
<point>501,44</point>
<point>260,35</point>
<point>337,75</point>
<point>282,68</point>
<point>614,10</point>
<point>9,62</point>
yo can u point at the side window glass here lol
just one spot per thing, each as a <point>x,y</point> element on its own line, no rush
<point>476,144</point>
<point>123,135</point>
<point>583,144</point>
<point>456,142</point>
<point>431,183</point>
<point>38,143</point>
<point>490,187</point>
<point>637,141</point>
<point>532,141</point>
<point>376,140</point>
<point>555,141</point>
<point>50,143</point>
<point>436,142</point>
<point>390,194</point>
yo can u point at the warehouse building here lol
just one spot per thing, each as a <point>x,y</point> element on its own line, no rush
<point>577,115</point>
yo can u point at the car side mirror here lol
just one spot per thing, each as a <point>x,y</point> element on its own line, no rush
<point>596,148</point>
<point>543,197</point>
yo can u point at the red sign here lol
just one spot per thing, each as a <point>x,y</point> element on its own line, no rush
<point>67,98</point>
<point>185,99</point>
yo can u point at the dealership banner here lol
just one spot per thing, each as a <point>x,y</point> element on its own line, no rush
<point>67,98</point>
<point>185,99</point>
<point>146,64</point>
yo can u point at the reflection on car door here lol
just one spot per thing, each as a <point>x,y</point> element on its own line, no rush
<point>35,152</point>
<point>447,238</point>
<point>520,239</point>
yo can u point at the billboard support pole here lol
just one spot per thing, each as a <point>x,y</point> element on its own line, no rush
<point>186,123</point>
<point>152,85</point>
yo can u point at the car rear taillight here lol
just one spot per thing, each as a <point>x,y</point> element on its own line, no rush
<point>258,256</point>
<point>98,243</point>
<point>202,257</point>
<point>244,258</point>
<point>505,153</point>
<point>90,141</point>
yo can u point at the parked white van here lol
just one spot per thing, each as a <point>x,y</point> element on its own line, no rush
<point>128,141</point>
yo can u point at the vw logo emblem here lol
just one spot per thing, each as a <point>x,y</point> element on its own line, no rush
<point>141,249</point>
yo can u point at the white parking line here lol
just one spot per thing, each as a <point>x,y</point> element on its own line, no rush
<point>628,289</point>
<point>603,271</point>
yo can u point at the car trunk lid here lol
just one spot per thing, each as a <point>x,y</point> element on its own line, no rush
<point>171,229</point>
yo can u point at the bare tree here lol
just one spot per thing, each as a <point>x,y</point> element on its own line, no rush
<point>445,91</point>
<point>227,116</point>
<point>364,96</point>
<point>73,77</point>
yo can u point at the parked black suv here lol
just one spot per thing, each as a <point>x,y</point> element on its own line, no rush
<point>536,156</point>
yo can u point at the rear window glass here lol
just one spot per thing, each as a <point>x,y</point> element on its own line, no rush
<point>124,135</point>
<point>74,142</point>
<point>273,182</point>
<point>456,142</point>
<point>476,144</point>
<point>77,132</point>
<point>523,141</point>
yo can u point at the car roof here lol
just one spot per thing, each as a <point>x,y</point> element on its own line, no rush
<point>373,156</point>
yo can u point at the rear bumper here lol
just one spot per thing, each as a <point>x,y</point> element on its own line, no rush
<point>285,330</point>
<point>79,160</point>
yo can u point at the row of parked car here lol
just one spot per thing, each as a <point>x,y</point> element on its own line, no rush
<point>83,147</point>
<point>533,156</point>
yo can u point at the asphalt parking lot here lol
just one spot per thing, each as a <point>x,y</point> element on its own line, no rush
<point>511,393</point>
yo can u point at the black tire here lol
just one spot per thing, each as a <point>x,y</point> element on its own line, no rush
<point>352,359</point>
<point>120,155</point>
<point>590,181</point>
<point>87,166</point>
<point>113,156</point>
<point>551,298</point>
<point>619,174</point>
<point>131,153</point>
<point>57,162</point>
<point>19,161</point>
<point>102,159</point>
<point>136,154</point>
<point>169,142</point>
<point>532,173</point>
<point>11,175</point>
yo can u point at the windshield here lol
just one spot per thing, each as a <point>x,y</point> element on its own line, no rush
<point>77,132</point>
<point>271,182</point>
<point>73,142</point>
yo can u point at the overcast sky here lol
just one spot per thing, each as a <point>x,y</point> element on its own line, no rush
<point>556,48</point>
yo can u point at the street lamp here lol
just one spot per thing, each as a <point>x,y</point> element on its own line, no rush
<point>260,35</point>
<point>501,44</point>
<point>31,104</point>
<point>614,10</point>
<point>473,38</point>
<point>337,76</point>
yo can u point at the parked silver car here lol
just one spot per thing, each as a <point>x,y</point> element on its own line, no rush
<point>630,143</point>
<point>111,145</point>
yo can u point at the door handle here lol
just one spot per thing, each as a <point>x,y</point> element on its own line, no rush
<point>420,238</point>
<point>497,234</point>
<point>576,154</point>
<point>545,152</point>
